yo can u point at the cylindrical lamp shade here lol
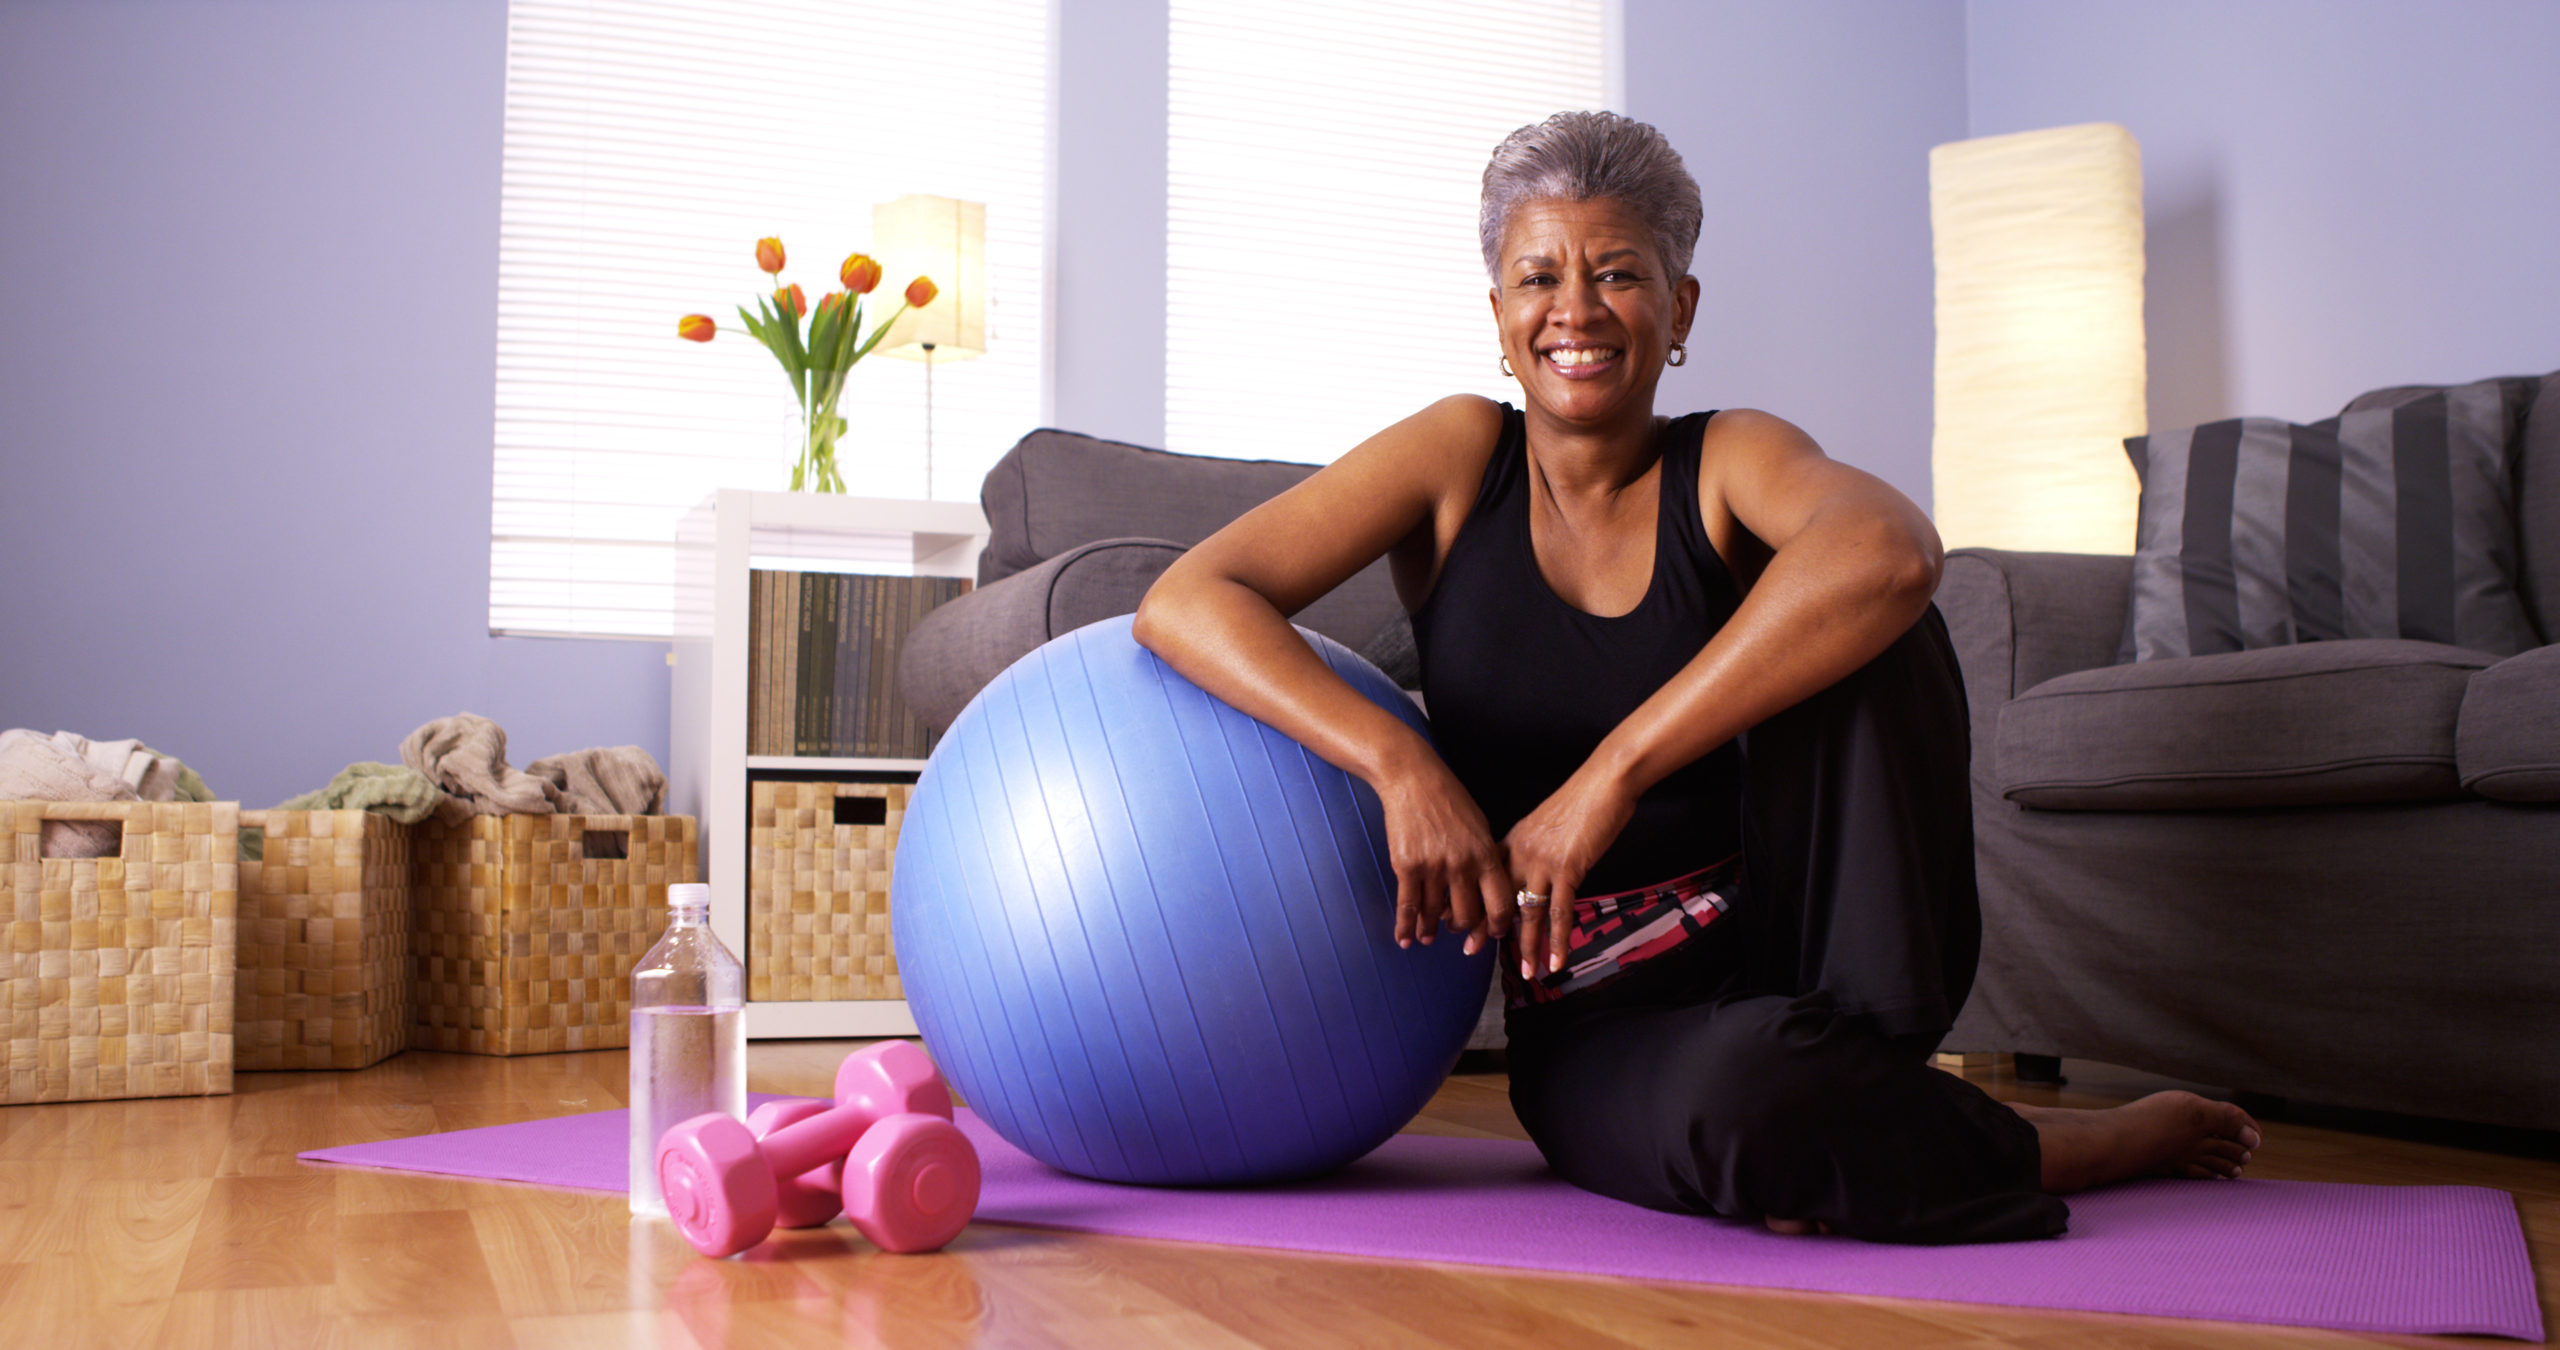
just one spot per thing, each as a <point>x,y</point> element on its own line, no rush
<point>946,240</point>
<point>2040,347</point>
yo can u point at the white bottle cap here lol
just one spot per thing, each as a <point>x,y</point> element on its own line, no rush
<point>689,895</point>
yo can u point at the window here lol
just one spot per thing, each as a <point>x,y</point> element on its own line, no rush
<point>1323,278</point>
<point>649,144</point>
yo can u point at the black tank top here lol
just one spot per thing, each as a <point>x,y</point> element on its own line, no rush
<point>1522,686</point>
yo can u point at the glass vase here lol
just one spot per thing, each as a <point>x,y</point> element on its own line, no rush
<point>815,430</point>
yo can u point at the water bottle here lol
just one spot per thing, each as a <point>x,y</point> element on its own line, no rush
<point>688,1036</point>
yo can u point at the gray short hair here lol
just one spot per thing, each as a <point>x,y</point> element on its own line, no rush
<point>1579,156</point>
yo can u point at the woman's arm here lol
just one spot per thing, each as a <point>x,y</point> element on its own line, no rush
<point>1219,615</point>
<point>1851,566</point>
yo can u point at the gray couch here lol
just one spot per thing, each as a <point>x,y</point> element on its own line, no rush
<point>1078,528</point>
<point>2328,872</point>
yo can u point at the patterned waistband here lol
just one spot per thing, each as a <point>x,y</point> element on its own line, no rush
<point>1614,932</point>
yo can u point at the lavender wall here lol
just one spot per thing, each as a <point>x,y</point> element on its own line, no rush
<point>248,256</point>
<point>248,284</point>
<point>2340,194</point>
<point>1106,340</point>
<point>1808,124</point>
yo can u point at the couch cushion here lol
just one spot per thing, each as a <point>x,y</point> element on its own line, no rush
<point>2321,722</point>
<point>2538,509</point>
<point>960,646</point>
<point>2394,521</point>
<point>1056,489</point>
<point>2508,743</point>
<point>2537,487</point>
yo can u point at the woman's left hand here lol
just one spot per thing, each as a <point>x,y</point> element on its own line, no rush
<point>1551,849</point>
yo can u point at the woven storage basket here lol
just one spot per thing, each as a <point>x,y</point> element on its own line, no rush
<point>324,941</point>
<point>523,944</point>
<point>120,968</point>
<point>818,892</point>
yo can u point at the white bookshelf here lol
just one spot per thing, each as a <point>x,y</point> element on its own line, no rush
<point>718,542</point>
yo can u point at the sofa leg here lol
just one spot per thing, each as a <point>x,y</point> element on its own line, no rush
<point>2041,1069</point>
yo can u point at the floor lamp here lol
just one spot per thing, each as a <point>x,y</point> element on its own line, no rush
<point>2040,365</point>
<point>946,240</point>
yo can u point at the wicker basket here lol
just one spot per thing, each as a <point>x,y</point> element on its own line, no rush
<point>523,943</point>
<point>818,891</point>
<point>120,968</point>
<point>324,941</point>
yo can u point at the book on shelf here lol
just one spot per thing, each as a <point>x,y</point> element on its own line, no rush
<point>757,582</point>
<point>822,662</point>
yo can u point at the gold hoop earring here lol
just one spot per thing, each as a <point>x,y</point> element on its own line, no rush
<point>1505,359</point>
<point>1679,354</point>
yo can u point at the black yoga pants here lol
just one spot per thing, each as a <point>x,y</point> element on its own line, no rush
<point>1777,1064</point>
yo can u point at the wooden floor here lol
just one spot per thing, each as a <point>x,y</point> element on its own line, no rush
<point>188,1222</point>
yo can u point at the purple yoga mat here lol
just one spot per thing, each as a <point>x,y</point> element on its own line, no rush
<point>2422,1259</point>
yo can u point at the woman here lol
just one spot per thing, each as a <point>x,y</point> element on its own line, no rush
<point>1701,750</point>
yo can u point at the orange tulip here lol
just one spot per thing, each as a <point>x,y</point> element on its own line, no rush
<point>920,292</point>
<point>860,273</point>
<point>696,328</point>
<point>790,298</point>
<point>769,255</point>
<point>830,299</point>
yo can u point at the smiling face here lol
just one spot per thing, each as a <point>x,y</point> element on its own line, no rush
<point>1586,311</point>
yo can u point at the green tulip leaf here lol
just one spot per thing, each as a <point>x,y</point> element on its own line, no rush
<point>767,329</point>
<point>853,331</point>
<point>881,332</point>
<point>788,324</point>
<point>822,336</point>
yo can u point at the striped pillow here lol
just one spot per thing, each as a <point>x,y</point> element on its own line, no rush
<point>2397,522</point>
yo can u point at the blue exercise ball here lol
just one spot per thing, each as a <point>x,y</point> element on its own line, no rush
<point>1150,939</point>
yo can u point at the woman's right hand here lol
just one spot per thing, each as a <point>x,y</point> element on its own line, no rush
<point>1448,867</point>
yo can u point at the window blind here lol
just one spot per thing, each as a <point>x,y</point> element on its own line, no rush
<point>1323,161</point>
<point>649,144</point>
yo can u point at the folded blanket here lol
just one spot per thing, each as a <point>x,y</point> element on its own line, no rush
<point>39,768</point>
<point>621,781</point>
<point>466,755</point>
<point>67,767</point>
<point>394,790</point>
<point>191,786</point>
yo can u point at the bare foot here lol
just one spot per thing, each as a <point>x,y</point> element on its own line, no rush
<point>1796,1227</point>
<point>2167,1134</point>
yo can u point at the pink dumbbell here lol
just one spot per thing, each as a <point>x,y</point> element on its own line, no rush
<point>910,1178</point>
<point>814,1198</point>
